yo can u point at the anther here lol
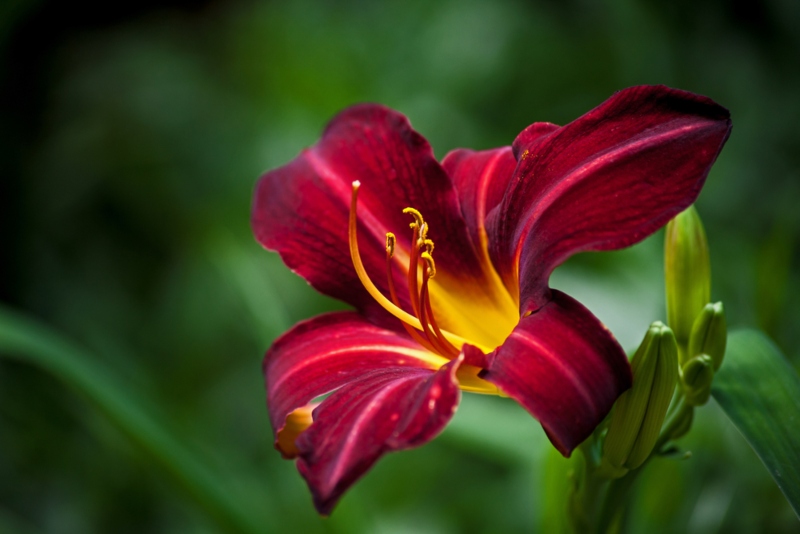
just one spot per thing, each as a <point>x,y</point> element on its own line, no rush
<point>417,216</point>
<point>431,265</point>
<point>423,232</point>
<point>390,241</point>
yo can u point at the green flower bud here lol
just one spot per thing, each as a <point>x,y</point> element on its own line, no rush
<point>709,334</point>
<point>696,377</point>
<point>687,272</point>
<point>640,411</point>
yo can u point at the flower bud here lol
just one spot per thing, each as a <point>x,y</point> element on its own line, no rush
<point>687,272</point>
<point>639,412</point>
<point>696,377</point>
<point>709,334</point>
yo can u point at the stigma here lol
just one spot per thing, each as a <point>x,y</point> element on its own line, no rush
<point>421,324</point>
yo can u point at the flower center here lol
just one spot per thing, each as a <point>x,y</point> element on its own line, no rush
<point>422,325</point>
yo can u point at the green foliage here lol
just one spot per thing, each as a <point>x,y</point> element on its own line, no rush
<point>760,392</point>
<point>25,339</point>
<point>128,164</point>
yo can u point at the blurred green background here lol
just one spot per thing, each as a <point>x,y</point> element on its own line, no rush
<point>132,137</point>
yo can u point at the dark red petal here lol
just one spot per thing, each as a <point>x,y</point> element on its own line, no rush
<point>474,356</point>
<point>481,179</point>
<point>564,367</point>
<point>301,209</point>
<point>388,394</point>
<point>531,136</point>
<point>387,411</point>
<point>605,181</point>
<point>324,353</point>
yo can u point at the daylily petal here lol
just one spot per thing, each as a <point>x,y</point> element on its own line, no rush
<point>388,394</point>
<point>480,179</point>
<point>389,410</point>
<point>301,209</point>
<point>322,354</point>
<point>531,136</point>
<point>605,181</point>
<point>564,367</point>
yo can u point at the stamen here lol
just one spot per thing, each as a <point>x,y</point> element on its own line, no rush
<point>423,232</point>
<point>431,265</point>
<point>413,284</point>
<point>418,220</point>
<point>435,339</point>
<point>426,315</point>
<point>448,347</point>
<point>362,273</point>
<point>390,241</point>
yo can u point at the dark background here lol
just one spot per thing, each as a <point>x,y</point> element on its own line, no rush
<point>132,136</point>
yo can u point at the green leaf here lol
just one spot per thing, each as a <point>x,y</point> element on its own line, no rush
<point>31,342</point>
<point>760,392</point>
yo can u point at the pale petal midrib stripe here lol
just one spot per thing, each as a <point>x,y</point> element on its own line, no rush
<point>434,361</point>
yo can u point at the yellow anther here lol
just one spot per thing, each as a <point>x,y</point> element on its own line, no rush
<point>428,244</point>
<point>417,217</point>
<point>431,265</point>
<point>390,241</point>
<point>423,232</point>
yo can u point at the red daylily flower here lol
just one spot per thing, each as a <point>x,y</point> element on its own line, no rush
<point>481,317</point>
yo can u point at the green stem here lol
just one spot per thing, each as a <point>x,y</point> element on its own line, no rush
<point>609,520</point>
<point>678,420</point>
<point>586,491</point>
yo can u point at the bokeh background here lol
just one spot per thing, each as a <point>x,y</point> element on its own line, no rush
<point>132,136</point>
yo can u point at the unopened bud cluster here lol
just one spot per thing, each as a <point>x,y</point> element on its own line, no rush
<point>699,326</point>
<point>686,354</point>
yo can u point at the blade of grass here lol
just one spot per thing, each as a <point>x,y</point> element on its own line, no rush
<point>27,340</point>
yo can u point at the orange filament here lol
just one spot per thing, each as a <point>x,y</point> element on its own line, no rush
<point>412,272</point>
<point>421,326</point>
<point>390,241</point>
<point>426,314</point>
